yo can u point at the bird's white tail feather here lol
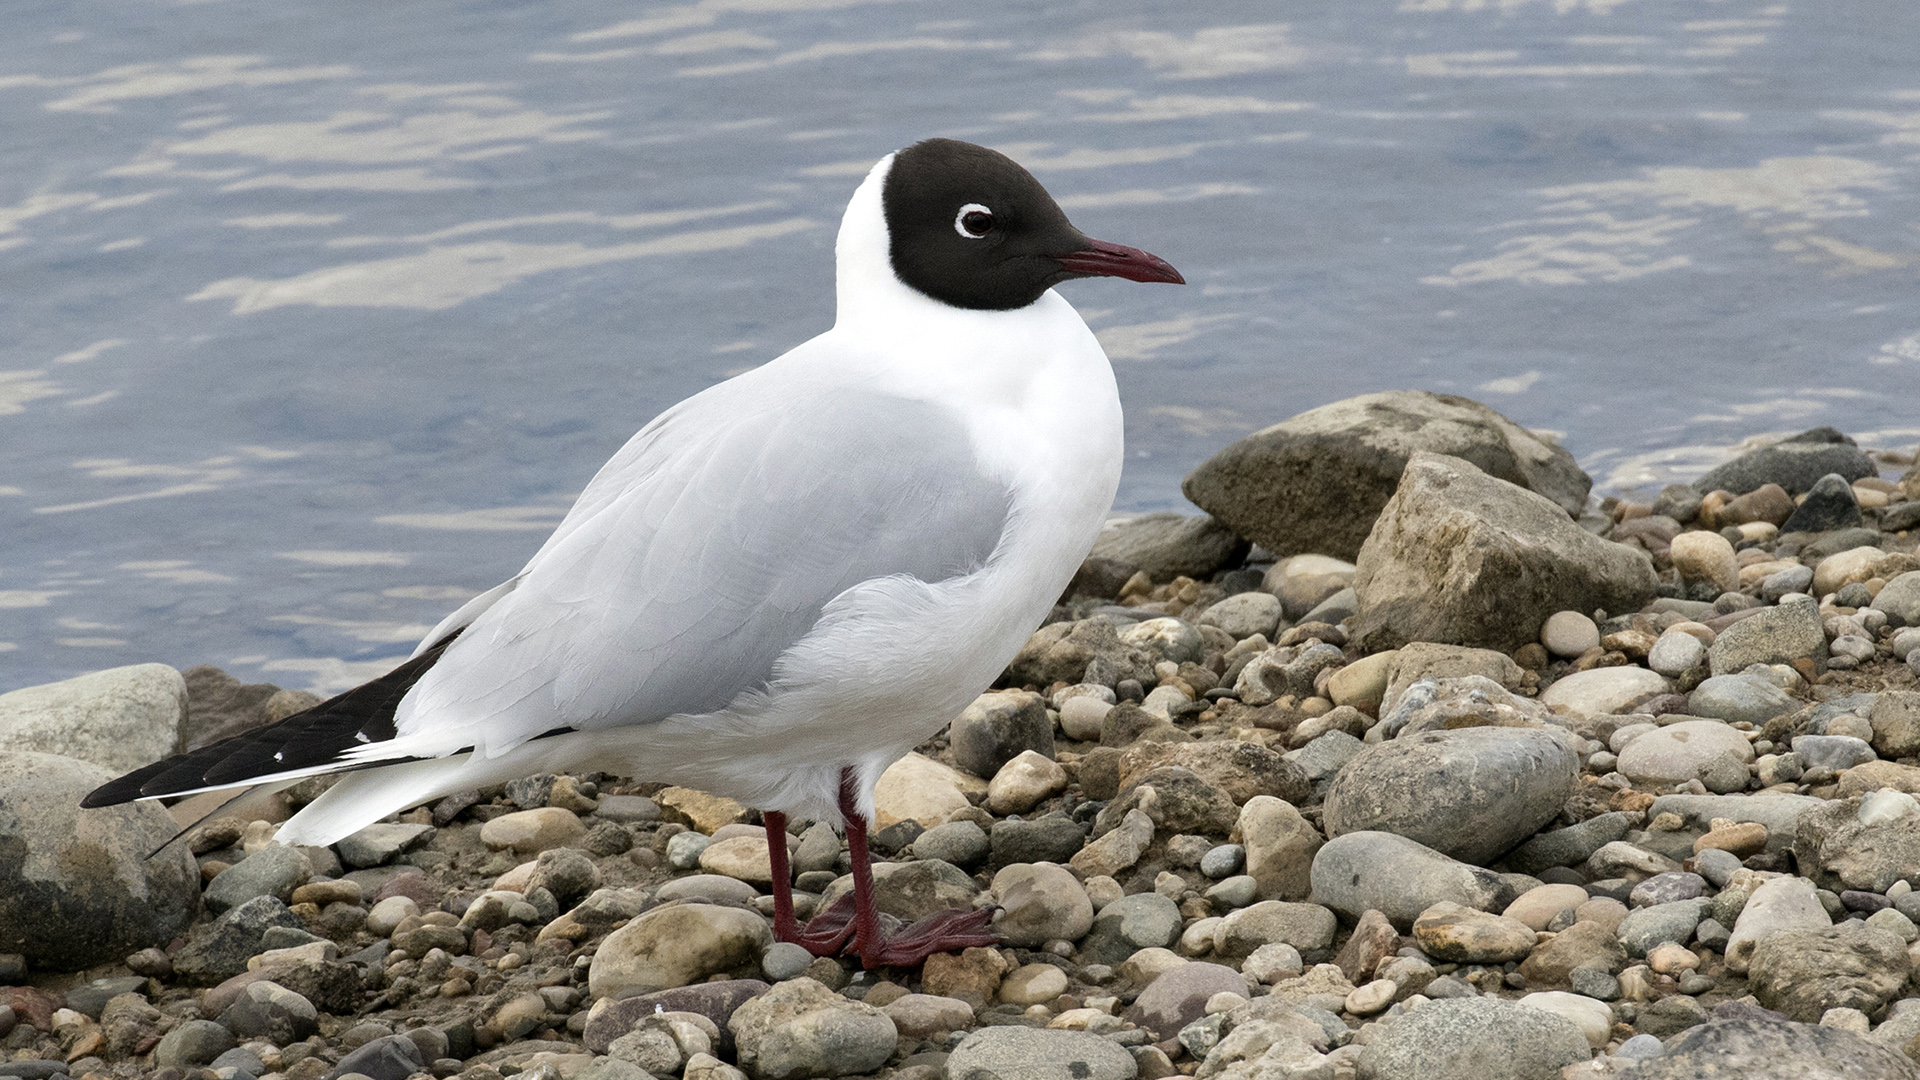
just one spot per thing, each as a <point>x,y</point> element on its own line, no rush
<point>362,798</point>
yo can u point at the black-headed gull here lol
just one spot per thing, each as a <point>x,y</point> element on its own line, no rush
<point>784,583</point>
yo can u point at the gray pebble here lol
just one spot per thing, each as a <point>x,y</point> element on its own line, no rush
<point>1234,892</point>
<point>683,849</point>
<point>1640,1048</point>
<point>1221,861</point>
<point>784,960</point>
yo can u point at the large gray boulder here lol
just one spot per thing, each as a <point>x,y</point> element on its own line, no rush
<point>121,718</point>
<point>1742,1049</point>
<point>1473,793</point>
<point>1315,482</point>
<point>1463,558</point>
<point>76,886</point>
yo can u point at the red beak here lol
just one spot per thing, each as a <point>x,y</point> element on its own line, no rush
<point>1101,259</point>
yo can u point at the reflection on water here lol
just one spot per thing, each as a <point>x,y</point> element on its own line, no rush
<point>316,325</point>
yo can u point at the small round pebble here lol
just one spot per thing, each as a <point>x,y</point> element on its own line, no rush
<point>1221,861</point>
<point>1640,1048</point>
<point>1569,633</point>
<point>784,960</point>
<point>1235,892</point>
<point>683,849</point>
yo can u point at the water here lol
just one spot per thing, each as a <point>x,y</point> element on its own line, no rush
<point>317,315</point>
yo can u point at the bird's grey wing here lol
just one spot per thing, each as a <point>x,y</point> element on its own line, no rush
<point>702,552</point>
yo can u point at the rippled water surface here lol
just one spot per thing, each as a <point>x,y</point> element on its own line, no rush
<point>314,317</point>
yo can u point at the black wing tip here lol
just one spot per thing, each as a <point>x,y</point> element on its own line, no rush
<point>237,759</point>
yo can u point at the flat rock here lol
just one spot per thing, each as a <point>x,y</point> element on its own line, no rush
<point>1462,935</point>
<point>1472,793</point>
<point>1513,559</point>
<point>1040,902</point>
<point>528,832</point>
<point>1803,973</point>
<point>1317,482</point>
<point>999,1053</point>
<point>1168,544</point>
<point>1479,1038</point>
<point>122,718</point>
<point>801,1029</point>
<point>1866,842</point>
<point>609,1019</point>
<point>1309,928</point>
<point>381,843</point>
<point>1796,464</point>
<point>1240,770</point>
<point>1428,660</point>
<point>1705,750</point>
<point>1739,697</point>
<point>1245,614</point>
<point>1399,878</point>
<point>1781,634</point>
<point>1129,924</point>
<point>1179,997</point>
<point>1780,813</point>
<point>675,945</point>
<point>1606,691</point>
<point>1900,599</point>
<point>1741,1049</point>
<point>76,886</point>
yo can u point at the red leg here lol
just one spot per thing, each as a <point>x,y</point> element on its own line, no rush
<point>866,918</point>
<point>945,931</point>
<point>824,935</point>
<point>784,926</point>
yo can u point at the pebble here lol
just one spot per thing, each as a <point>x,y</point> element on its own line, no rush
<point>1607,691</point>
<point>1033,984</point>
<point>1593,1017</point>
<point>1040,902</point>
<point>1473,793</point>
<point>1705,557</point>
<point>1473,1038</point>
<point>1038,1054</point>
<point>998,727</point>
<point>1398,877</point>
<point>1569,633</point>
<point>1705,750</point>
<point>1023,782</point>
<point>1222,860</point>
<point>1739,698</point>
<point>677,945</point>
<point>529,832</point>
<point>1461,935</point>
<point>784,960</point>
<point>1675,653</point>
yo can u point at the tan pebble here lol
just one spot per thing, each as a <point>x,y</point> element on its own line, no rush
<point>1742,838</point>
<point>1372,997</point>
<point>1669,958</point>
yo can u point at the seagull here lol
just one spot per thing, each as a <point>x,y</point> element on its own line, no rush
<point>786,582</point>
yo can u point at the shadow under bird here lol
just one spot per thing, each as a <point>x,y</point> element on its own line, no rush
<point>784,583</point>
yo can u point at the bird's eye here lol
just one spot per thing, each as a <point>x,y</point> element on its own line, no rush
<point>973,221</point>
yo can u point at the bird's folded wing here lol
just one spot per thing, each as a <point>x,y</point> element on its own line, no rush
<point>700,553</point>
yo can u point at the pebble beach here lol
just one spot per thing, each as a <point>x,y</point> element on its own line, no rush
<point>1408,757</point>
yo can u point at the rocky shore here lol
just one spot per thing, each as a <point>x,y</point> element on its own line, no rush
<point>1483,779</point>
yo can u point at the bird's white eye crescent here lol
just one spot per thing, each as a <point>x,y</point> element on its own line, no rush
<point>973,221</point>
